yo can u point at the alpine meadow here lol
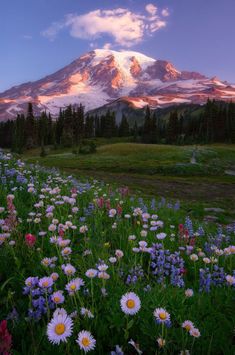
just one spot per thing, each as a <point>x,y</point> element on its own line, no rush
<point>117,177</point>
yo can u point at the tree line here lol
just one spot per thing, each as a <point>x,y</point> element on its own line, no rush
<point>215,123</point>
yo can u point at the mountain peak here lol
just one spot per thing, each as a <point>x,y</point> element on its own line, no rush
<point>104,75</point>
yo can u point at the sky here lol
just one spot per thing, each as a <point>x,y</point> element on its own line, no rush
<point>38,37</point>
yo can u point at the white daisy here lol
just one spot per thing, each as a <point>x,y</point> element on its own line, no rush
<point>59,328</point>
<point>86,341</point>
<point>130,303</point>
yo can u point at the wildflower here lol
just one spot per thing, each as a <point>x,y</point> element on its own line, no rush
<point>117,351</point>
<point>188,292</point>
<point>5,339</point>
<point>86,313</point>
<point>230,280</point>
<point>91,273</point>
<point>161,236</point>
<point>59,328</point>
<point>194,257</point>
<point>57,297</point>
<point>112,212</point>
<point>162,316</point>
<point>54,276</point>
<point>46,261</point>
<point>194,332</point>
<point>188,325</point>
<point>102,267</point>
<point>52,228</point>
<point>136,346</point>
<point>143,233</point>
<point>66,251</point>
<point>130,303</point>
<point>86,341</point>
<point>161,342</point>
<point>83,229</point>
<point>30,240</point>
<point>112,260</point>
<point>119,253</point>
<point>68,269</point>
<point>45,282</point>
<point>74,285</point>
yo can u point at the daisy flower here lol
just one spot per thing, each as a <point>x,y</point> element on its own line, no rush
<point>161,236</point>
<point>188,292</point>
<point>130,303</point>
<point>187,325</point>
<point>68,269</point>
<point>45,282</point>
<point>74,285</point>
<point>86,341</point>
<point>86,313</point>
<point>57,297</point>
<point>59,328</point>
<point>162,316</point>
<point>54,276</point>
<point>91,273</point>
<point>161,342</point>
<point>194,332</point>
<point>230,279</point>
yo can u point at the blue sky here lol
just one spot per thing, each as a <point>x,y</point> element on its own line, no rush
<point>40,37</point>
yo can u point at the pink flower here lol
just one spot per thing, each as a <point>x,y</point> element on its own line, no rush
<point>5,339</point>
<point>30,240</point>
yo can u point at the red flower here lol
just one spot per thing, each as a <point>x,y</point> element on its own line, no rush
<point>119,210</point>
<point>181,227</point>
<point>5,339</point>
<point>30,240</point>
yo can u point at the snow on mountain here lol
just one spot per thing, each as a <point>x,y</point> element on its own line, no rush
<point>102,76</point>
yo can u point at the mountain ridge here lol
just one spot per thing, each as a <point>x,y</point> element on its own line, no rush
<point>102,76</point>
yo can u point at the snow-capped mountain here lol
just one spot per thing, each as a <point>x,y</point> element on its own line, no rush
<point>102,76</point>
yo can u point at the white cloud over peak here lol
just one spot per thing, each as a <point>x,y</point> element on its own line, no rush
<point>151,9</point>
<point>125,27</point>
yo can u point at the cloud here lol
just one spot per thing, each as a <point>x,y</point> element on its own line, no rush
<point>126,28</point>
<point>27,37</point>
<point>107,45</point>
<point>165,12</point>
<point>151,9</point>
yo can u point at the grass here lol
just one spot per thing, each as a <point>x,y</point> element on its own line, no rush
<point>156,170</point>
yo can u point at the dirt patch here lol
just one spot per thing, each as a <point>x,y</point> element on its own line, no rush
<point>194,190</point>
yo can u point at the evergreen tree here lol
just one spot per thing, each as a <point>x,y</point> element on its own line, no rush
<point>172,129</point>
<point>30,128</point>
<point>124,129</point>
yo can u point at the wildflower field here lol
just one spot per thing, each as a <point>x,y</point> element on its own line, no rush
<point>85,267</point>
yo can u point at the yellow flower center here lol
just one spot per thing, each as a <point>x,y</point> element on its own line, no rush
<point>187,327</point>
<point>45,284</point>
<point>85,341</point>
<point>72,287</point>
<point>130,304</point>
<point>60,328</point>
<point>56,299</point>
<point>162,315</point>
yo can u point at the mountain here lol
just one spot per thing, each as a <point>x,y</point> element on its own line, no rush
<point>105,77</point>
